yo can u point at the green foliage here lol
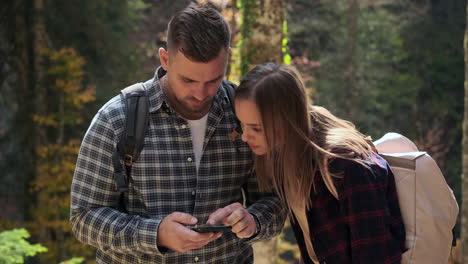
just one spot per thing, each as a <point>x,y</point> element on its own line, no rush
<point>88,44</point>
<point>101,32</point>
<point>102,36</point>
<point>285,41</point>
<point>256,28</point>
<point>249,11</point>
<point>57,156</point>
<point>436,58</point>
<point>73,261</point>
<point>408,66</point>
<point>64,75</point>
<point>287,59</point>
<point>14,248</point>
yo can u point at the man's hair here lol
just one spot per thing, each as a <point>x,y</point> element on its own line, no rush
<point>199,32</point>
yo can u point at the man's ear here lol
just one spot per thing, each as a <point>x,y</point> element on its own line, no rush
<point>163,58</point>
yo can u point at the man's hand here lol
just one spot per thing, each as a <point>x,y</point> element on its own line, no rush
<point>235,215</point>
<point>173,233</point>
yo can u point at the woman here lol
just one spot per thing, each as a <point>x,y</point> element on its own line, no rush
<point>341,195</point>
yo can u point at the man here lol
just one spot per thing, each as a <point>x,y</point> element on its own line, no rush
<point>191,170</point>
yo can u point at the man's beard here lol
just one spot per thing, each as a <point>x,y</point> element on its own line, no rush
<point>189,108</point>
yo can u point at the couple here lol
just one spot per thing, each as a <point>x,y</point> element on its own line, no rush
<point>307,163</point>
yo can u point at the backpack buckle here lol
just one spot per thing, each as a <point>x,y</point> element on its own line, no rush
<point>128,160</point>
<point>121,182</point>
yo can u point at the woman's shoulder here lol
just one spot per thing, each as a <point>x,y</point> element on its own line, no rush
<point>360,164</point>
<point>369,174</point>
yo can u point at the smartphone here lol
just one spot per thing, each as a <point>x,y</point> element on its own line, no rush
<point>210,228</point>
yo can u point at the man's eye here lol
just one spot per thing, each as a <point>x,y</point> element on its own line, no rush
<point>186,80</point>
<point>257,129</point>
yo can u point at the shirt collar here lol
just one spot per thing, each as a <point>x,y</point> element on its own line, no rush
<point>157,98</point>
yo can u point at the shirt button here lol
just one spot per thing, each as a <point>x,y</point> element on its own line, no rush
<point>193,192</point>
<point>196,259</point>
<point>184,126</point>
<point>189,159</point>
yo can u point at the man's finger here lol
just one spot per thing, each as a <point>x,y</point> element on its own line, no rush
<point>246,232</point>
<point>183,218</point>
<point>201,237</point>
<point>235,217</point>
<point>220,214</point>
<point>206,242</point>
<point>200,244</point>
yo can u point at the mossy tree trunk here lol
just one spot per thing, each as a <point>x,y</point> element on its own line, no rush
<point>464,212</point>
<point>262,41</point>
<point>262,32</point>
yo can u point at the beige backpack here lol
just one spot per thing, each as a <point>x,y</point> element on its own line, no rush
<point>428,206</point>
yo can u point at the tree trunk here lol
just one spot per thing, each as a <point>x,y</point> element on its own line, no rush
<point>262,38</point>
<point>22,124</point>
<point>464,212</point>
<point>39,46</point>
<point>262,33</point>
<point>351,62</point>
<point>234,27</point>
<point>39,31</point>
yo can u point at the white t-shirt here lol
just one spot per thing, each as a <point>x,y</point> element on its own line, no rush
<point>197,129</point>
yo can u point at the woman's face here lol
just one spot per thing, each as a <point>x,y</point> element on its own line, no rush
<point>252,129</point>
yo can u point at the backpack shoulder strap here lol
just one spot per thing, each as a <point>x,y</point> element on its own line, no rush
<point>136,119</point>
<point>231,92</point>
<point>136,108</point>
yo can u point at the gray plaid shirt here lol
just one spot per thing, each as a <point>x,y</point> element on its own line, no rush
<point>165,180</point>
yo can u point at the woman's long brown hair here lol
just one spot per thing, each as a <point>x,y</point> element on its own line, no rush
<point>302,139</point>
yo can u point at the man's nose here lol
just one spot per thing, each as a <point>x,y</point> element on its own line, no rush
<point>200,93</point>
<point>245,136</point>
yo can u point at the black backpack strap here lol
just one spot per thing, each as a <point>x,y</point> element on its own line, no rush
<point>231,93</point>
<point>230,90</point>
<point>136,121</point>
<point>136,107</point>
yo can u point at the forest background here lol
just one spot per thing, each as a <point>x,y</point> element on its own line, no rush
<point>386,65</point>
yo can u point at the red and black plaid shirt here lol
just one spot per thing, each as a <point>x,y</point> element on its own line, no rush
<point>364,225</point>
